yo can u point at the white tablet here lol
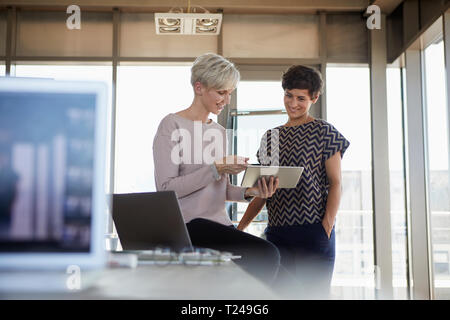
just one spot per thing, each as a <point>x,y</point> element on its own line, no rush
<point>288,176</point>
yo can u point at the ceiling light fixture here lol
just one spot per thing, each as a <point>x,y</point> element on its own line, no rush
<point>190,23</point>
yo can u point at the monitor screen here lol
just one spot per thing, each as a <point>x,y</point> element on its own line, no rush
<point>47,143</point>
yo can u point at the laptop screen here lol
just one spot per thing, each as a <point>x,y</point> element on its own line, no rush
<point>47,144</point>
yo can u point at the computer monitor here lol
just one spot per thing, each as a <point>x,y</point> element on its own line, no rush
<point>52,173</point>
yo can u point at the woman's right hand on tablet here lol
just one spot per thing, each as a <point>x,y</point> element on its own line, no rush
<point>231,164</point>
<point>265,188</point>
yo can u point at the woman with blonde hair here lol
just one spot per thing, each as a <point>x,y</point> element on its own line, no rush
<point>189,153</point>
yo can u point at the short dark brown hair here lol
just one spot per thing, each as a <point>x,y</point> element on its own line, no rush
<point>303,77</point>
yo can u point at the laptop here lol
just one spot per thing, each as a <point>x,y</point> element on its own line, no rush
<point>145,221</point>
<point>52,184</point>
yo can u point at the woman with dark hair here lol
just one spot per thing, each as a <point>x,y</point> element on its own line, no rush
<point>301,219</point>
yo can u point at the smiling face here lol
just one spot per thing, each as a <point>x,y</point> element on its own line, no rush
<point>213,100</point>
<point>297,103</point>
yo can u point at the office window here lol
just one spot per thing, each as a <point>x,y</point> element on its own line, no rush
<point>397,182</point>
<point>438,173</point>
<point>348,109</point>
<point>78,72</point>
<point>250,127</point>
<point>60,71</point>
<point>2,69</point>
<point>250,97</point>
<point>145,95</point>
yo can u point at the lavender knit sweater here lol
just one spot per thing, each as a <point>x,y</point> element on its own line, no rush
<point>184,151</point>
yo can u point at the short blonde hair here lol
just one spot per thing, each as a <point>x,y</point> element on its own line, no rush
<point>214,71</point>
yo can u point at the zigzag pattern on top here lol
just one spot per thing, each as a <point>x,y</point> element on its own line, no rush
<point>309,146</point>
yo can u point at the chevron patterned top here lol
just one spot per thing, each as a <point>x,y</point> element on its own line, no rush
<point>308,145</point>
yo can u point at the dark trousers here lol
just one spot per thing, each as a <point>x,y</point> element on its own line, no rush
<point>306,253</point>
<point>259,257</point>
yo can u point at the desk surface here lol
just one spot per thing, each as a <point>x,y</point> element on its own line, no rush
<point>167,282</point>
